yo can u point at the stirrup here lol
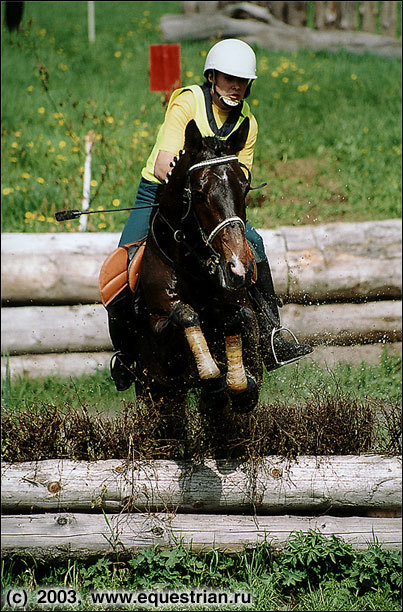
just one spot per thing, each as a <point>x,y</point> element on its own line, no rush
<point>275,331</point>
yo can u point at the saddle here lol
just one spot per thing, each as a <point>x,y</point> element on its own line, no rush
<point>120,270</point>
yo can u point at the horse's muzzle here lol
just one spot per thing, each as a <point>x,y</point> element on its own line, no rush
<point>235,275</point>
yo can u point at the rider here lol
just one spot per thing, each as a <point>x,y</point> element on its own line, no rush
<point>218,107</point>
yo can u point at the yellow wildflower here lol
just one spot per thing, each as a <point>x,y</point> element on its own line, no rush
<point>41,110</point>
<point>94,183</point>
<point>26,175</point>
<point>115,202</point>
<point>117,53</point>
<point>62,144</point>
<point>40,180</point>
<point>354,77</point>
<point>30,88</point>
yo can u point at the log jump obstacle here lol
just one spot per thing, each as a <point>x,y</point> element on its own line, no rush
<point>53,509</point>
<point>86,509</point>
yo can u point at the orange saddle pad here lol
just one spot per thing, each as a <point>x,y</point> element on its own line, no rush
<point>120,269</point>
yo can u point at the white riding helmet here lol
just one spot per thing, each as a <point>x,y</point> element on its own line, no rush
<point>232,56</point>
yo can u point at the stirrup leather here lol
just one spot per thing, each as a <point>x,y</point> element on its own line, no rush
<point>275,331</point>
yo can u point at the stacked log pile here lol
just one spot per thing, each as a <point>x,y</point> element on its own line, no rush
<point>82,510</point>
<point>257,24</point>
<point>341,284</point>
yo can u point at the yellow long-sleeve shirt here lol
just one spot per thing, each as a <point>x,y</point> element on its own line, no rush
<point>172,135</point>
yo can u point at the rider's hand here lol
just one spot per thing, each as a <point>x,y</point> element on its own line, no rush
<point>162,164</point>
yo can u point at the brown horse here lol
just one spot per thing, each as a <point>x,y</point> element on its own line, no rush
<point>195,326</point>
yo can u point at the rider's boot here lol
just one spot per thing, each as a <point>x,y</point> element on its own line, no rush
<point>282,351</point>
<point>120,320</point>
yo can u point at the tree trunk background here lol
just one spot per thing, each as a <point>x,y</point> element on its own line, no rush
<point>282,26</point>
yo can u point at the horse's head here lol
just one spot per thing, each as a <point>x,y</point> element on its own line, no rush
<point>215,189</point>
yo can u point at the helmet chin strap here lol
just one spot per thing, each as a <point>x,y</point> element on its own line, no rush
<point>224,99</point>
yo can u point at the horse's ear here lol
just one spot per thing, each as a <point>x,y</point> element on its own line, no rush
<point>237,140</point>
<point>193,137</point>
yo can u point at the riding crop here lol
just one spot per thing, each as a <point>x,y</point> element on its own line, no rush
<point>66,215</point>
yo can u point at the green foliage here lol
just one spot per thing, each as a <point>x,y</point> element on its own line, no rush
<point>377,568</point>
<point>329,140</point>
<point>312,558</point>
<point>313,572</point>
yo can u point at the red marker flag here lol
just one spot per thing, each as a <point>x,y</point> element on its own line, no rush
<point>165,67</point>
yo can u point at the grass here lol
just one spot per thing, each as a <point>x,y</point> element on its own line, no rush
<point>295,382</point>
<point>313,572</point>
<point>329,140</point>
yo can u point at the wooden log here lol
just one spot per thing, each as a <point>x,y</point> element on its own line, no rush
<point>297,13</point>
<point>53,537</point>
<point>326,15</point>
<point>59,329</point>
<point>345,324</point>
<point>388,18</point>
<point>58,268</point>
<point>369,14</point>
<point>175,28</point>
<point>272,485</point>
<point>348,16</point>
<point>63,329</point>
<point>336,261</point>
<point>64,365</point>
<point>57,365</point>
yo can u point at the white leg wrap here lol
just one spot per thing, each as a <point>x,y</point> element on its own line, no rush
<point>236,376</point>
<point>206,365</point>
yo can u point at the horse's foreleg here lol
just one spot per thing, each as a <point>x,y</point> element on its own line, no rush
<point>188,319</point>
<point>236,375</point>
<point>184,317</point>
<point>206,366</point>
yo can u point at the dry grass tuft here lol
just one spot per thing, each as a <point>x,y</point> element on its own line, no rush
<point>324,425</point>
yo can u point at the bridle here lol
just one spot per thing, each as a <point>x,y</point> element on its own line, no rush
<point>187,196</point>
<point>213,261</point>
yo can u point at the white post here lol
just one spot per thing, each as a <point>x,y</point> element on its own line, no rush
<point>89,142</point>
<point>91,22</point>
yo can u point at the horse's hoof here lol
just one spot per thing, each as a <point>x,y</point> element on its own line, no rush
<point>214,393</point>
<point>246,401</point>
